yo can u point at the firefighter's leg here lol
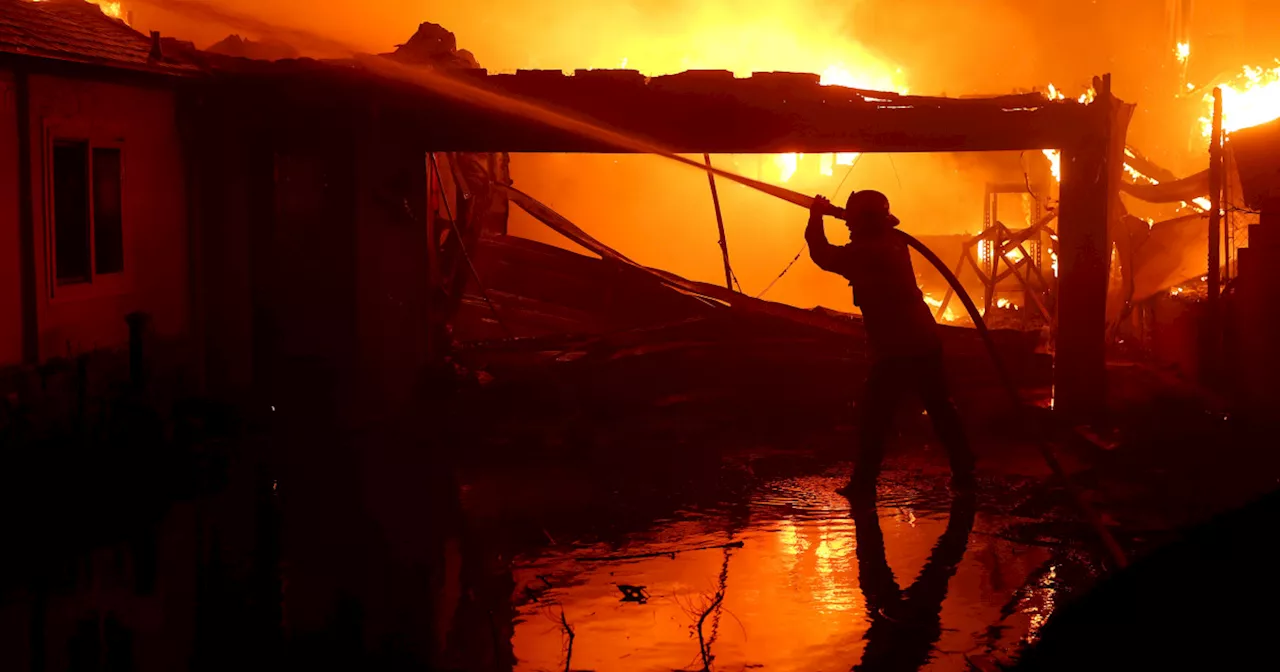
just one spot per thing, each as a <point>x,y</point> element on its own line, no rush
<point>879,405</point>
<point>934,392</point>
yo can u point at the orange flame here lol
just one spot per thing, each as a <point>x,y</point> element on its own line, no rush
<point>1085,98</point>
<point>111,8</point>
<point>756,38</point>
<point>1055,163</point>
<point>935,303</point>
<point>1055,156</point>
<point>1253,98</point>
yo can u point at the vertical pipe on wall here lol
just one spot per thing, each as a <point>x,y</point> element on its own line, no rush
<point>26,220</point>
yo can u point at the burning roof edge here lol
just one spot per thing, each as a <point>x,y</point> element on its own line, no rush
<point>787,86</point>
<point>81,34</point>
<point>444,107</point>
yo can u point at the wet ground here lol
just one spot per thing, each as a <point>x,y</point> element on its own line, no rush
<point>768,568</point>
<point>657,539</point>
<point>654,547</point>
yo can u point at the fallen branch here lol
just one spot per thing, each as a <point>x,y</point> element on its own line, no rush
<point>568,655</point>
<point>704,647</point>
<point>659,554</point>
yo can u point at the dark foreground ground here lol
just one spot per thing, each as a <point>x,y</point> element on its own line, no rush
<point>659,539</point>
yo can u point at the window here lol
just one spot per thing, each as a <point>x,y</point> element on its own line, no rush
<point>88,220</point>
<point>71,211</point>
<point>108,233</point>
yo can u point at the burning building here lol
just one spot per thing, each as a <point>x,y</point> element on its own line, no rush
<point>95,220</point>
<point>333,236</point>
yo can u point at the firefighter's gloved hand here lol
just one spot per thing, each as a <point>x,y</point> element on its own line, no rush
<point>820,207</point>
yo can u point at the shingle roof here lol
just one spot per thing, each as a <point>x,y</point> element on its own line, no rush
<point>77,31</point>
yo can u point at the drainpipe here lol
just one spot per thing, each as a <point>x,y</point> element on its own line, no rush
<point>26,220</point>
<point>1214,330</point>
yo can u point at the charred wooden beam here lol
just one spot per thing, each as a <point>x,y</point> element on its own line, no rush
<point>1091,175</point>
<point>1186,189</point>
<point>688,113</point>
<point>1147,167</point>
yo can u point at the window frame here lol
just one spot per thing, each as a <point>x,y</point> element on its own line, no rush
<point>97,284</point>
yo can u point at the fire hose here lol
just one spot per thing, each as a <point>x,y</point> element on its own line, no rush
<point>1046,451</point>
<point>468,92</point>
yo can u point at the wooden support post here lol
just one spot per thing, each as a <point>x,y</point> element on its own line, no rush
<point>1090,171</point>
<point>1083,267</point>
<point>724,241</point>
<point>1228,231</point>
<point>1213,325</point>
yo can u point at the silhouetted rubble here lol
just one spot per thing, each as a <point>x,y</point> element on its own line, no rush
<point>265,50</point>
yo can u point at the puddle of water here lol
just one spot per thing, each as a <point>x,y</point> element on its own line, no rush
<point>922,582</point>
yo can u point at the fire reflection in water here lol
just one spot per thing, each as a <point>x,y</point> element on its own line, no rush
<point>812,587</point>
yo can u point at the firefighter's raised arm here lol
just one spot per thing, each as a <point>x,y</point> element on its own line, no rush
<point>823,253</point>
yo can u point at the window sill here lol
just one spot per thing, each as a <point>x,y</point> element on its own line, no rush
<point>102,287</point>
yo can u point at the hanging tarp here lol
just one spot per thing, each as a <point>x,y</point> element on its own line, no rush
<point>1186,189</point>
<point>1176,251</point>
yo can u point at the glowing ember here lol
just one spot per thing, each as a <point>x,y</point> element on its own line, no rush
<point>1005,303</point>
<point>1085,98</point>
<point>935,304</point>
<point>1183,51</point>
<point>1252,99</point>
